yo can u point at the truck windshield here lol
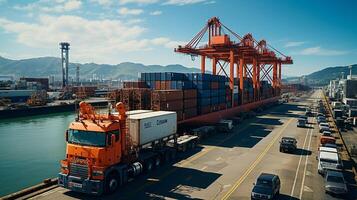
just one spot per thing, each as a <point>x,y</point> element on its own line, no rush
<point>89,138</point>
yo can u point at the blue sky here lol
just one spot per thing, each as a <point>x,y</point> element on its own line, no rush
<point>316,33</point>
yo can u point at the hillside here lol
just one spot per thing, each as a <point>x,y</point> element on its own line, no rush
<point>325,75</point>
<point>46,66</point>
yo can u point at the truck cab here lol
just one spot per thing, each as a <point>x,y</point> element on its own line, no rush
<point>94,148</point>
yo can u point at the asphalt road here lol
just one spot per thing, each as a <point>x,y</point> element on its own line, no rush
<point>226,165</point>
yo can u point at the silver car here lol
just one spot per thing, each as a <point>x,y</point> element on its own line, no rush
<point>335,183</point>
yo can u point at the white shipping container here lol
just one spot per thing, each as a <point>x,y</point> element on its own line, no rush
<point>135,112</point>
<point>148,127</point>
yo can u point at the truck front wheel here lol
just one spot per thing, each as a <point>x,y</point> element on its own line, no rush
<point>112,183</point>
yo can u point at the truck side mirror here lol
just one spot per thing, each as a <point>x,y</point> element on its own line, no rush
<point>66,135</point>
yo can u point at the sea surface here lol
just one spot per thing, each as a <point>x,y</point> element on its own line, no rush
<point>30,149</point>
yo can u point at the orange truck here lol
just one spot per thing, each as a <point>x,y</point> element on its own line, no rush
<point>105,150</point>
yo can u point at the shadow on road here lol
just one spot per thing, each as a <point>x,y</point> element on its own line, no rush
<point>286,197</point>
<point>303,152</point>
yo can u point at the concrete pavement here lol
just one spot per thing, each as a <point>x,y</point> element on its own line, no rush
<point>226,165</point>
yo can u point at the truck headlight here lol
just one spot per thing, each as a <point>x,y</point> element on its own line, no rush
<point>64,167</point>
<point>97,173</point>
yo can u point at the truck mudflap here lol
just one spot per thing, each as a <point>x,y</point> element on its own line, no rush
<point>81,185</point>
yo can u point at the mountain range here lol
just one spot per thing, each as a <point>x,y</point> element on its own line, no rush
<point>46,66</point>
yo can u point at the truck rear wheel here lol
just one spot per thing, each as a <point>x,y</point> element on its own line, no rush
<point>112,183</point>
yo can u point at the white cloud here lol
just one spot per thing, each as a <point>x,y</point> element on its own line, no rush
<point>122,2</point>
<point>166,42</point>
<point>156,12</point>
<point>3,1</point>
<point>103,2</point>
<point>51,6</point>
<point>91,40</point>
<point>294,44</point>
<point>183,2</point>
<point>127,11</point>
<point>318,51</point>
<point>210,2</point>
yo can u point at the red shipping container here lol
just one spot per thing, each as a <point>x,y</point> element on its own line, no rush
<point>167,85</point>
<point>190,94</point>
<point>157,85</point>
<point>163,85</point>
<point>167,95</point>
<point>189,103</point>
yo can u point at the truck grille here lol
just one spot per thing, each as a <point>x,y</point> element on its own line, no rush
<point>79,170</point>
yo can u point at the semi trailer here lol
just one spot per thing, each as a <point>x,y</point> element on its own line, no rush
<point>105,150</point>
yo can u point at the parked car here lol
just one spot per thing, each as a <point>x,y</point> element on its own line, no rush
<point>329,145</point>
<point>321,120</point>
<point>328,149</point>
<point>288,144</point>
<point>328,161</point>
<point>327,139</point>
<point>335,183</point>
<point>323,128</point>
<point>267,186</point>
<point>324,124</point>
<point>327,132</point>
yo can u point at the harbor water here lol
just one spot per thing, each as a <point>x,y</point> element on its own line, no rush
<point>30,149</point>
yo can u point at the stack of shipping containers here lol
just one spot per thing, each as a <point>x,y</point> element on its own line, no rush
<point>188,94</point>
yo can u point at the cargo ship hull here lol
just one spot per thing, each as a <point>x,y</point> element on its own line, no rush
<point>214,117</point>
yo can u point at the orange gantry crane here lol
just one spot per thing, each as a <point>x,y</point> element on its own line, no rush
<point>248,57</point>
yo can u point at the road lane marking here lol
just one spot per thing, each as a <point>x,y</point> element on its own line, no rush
<point>299,163</point>
<point>304,174</point>
<point>192,158</point>
<point>255,163</point>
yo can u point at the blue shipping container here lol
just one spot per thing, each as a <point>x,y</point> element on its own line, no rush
<point>203,93</point>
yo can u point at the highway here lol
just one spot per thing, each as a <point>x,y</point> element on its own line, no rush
<point>226,165</point>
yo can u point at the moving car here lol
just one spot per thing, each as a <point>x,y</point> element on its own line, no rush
<point>267,186</point>
<point>288,144</point>
<point>301,122</point>
<point>335,183</point>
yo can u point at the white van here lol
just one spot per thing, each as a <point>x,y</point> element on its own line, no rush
<point>327,149</point>
<point>328,160</point>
